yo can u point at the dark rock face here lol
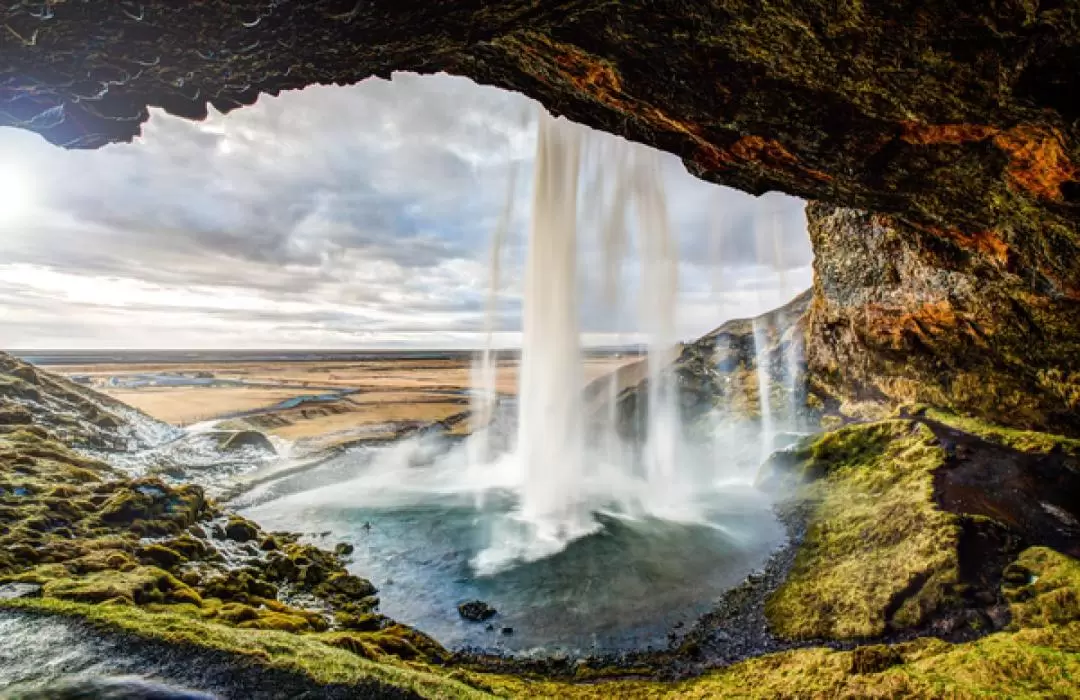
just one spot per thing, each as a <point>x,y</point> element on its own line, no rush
<point>906,314</point>
<point>957,113</point>
<point>722,365</point>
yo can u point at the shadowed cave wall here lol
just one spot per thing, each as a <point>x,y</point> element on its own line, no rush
<point>955,122</point>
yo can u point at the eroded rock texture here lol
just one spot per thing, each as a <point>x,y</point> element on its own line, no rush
<point>957,118</point>
<point>902,314</point>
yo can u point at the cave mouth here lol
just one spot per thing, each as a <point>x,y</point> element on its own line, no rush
<point>635,567</point>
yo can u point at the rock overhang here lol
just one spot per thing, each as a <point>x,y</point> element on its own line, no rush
<point>957,115</point>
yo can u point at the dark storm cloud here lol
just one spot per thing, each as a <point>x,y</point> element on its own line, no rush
<point>330,214</point>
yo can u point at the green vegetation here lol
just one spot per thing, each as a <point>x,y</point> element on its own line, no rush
<point>1023,440</point>
<point>877,553</point>
<point>305,653</point>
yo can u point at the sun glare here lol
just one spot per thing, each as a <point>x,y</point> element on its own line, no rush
<point>16,193</point>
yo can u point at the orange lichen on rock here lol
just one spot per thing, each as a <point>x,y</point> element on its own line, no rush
<point>890,326</point>
<point>771,153</point>
<point>932,134</point>
<point>1038,163</point>
<point>596,77</point>
<point>1037,160</point>
<point>987,242</point>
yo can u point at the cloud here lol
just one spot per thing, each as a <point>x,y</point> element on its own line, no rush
<point>337,217</point>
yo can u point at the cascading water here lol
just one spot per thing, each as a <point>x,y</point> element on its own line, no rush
<point>550,431</point>
<point>761,359</point>
<point>562,481</point>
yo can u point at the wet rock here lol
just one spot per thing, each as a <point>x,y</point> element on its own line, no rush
<point>112,688</point>
<point>476,611</point>
<point>268,544</point>
<point>507,631</point>
<point>10,591</point>
<point>343,549</point>
<point>241,529</point>
<point>347,585</point>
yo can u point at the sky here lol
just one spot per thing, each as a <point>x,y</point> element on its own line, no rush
<point>340,218</point>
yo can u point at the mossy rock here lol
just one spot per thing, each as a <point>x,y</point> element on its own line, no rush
<point>1046,590</point>
<point>241,529</point>
<point>278,621</point>
<point>241,586</point>
<point>140,585</point>
<point>347,586</point>
<point>151,507</point>
<point>160,555</point>
<point>13,414</point>
<point>878,554</point>
<point>361,623</point>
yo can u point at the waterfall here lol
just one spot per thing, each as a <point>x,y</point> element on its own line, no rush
<point>550,408</point>
<point>569,461</point>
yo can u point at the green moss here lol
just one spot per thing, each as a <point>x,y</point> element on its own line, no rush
<point>301,653</point>
<point>877,551</point>
<point>144,584</point>
<point>1024,440</point>
<point>1048,592</point>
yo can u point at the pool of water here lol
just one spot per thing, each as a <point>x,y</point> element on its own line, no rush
<point>417,533</point>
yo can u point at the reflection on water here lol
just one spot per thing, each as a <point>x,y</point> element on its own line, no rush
<point>418,524</point>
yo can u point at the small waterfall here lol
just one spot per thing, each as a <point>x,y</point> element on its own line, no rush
<point>485,394</point>
<point>761,359</point>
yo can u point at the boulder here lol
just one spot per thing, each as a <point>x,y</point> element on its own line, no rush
<point>241,529</point>
<point>476,611</point>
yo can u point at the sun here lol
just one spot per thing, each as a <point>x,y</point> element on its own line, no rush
<point>16,193</point>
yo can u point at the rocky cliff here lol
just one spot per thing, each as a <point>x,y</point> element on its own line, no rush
<point>903,314</point>
<point>955,121</point>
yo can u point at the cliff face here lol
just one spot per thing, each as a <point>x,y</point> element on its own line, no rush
<point>901,314</point>
<point>956,121</point>
<point>721,367</point>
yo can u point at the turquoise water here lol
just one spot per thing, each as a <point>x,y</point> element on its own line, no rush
<point>623,587</point>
